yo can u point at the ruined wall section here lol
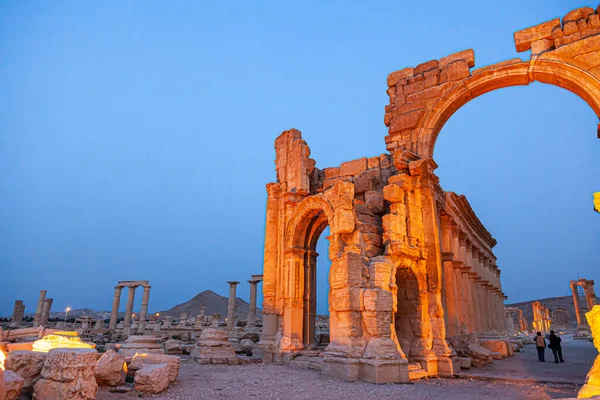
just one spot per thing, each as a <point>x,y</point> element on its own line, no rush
<point>369,176</point>
<point>564,52</point>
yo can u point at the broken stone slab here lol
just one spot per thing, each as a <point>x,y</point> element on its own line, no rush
<point>480,356</point>
<point>13,384</point>
<point>152,378</point>
<point>28,365</point>
<point>173,362</point>
<point>495,346</point>
<point>110,369</point>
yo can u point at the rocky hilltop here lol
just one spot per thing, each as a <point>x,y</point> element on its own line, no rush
<point>215,304</point>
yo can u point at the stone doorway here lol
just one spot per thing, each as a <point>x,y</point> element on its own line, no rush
<point>407,322</point>
<point>317,225</point>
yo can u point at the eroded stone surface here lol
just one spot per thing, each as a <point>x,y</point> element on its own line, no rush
<point>28,365</point>
<point>109,369</point>
<point>67,374</point>
<point>13,384</point>
<point>173,363</point>
<point>152,378</point>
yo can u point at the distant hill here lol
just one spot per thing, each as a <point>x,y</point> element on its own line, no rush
<point>552,303</point>
<point>215,304</point>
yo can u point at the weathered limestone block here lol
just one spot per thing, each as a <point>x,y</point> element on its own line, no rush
<point>173,362</point>
<point>173,346</point>
<point>2,386</point>
<point>495,346</point>
<point>137,344</point>
<point>152,379</point>
<point>592,381</point>
<point>68,374</point>
<point>28,365</point>
<point>109,369</point>
<point>214,347</point>
<point>13,384</point>
<point>22,346</point>
<point>465,362</point>
<point>480,356</point>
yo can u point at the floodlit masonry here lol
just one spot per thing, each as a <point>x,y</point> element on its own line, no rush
<point>583,329</point>
<point>541,317</point>
<point>412,267</point>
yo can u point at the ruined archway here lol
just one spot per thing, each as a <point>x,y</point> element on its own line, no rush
<point>305,229</point>
<point>563,53</point>
<point>413,268</point>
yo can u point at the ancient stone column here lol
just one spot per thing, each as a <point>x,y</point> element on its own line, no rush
<point>231,306</point>
<point>590,295</point>
<point>46,312</point>
<point>129,307</point>
<point>202,311</point>
<point>576,303</point>
<point>39,309</point>
<point>18,310</point>
<point>450,294</point>
<point>252,312</point>
<point>114,314</point>
<point>144,309</point>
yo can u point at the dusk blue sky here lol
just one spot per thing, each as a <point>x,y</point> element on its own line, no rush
<point>136,138</point>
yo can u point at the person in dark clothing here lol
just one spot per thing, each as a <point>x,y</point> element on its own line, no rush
<point>540,345</point>
<point>555,347</point>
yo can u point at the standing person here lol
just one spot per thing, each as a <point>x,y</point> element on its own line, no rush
<point>540,345</point>
<point>555,347</point>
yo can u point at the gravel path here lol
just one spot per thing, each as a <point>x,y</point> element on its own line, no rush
<point>260,381</point>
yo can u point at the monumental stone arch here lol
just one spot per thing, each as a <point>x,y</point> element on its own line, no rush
<point>413,279</point>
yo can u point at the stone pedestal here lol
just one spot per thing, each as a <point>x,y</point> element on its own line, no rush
<point>214,348</point>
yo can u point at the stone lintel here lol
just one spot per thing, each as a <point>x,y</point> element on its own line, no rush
<point>133,283</point>
<point>258,277</point>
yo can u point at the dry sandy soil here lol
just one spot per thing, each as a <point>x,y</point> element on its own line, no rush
<point>259,381</point>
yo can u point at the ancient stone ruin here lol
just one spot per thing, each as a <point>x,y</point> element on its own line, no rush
<point>541,318</point>
<point>412,267</point>
<point>583,329</point>
<point>131,285</point>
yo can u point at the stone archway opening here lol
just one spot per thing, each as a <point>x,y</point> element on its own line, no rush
<point>316,223</point>
<point>407,314</point>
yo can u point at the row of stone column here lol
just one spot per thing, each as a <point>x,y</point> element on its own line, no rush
<point>256,279</point>
<point>129,307</point>
<point>473,296</point>
<point>42,312</point>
